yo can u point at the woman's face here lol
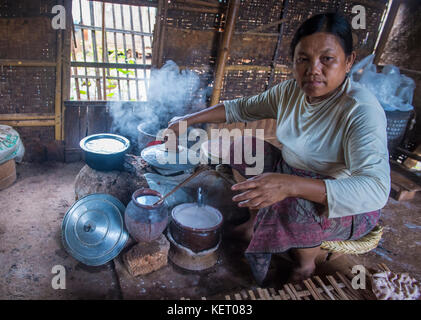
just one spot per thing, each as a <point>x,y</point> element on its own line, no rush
<point>320,64</point>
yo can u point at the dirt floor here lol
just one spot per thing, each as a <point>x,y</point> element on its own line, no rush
<point>31,211</point>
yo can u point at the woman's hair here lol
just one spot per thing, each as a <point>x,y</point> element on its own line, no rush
<point>333,23</point>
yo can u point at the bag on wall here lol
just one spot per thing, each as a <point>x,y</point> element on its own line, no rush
<point>393,90</point>
<point>11,146</point>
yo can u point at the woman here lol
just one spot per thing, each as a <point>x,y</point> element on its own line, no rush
<point>332,176</point>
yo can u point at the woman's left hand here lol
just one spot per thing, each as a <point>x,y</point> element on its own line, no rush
<point>264,190</point>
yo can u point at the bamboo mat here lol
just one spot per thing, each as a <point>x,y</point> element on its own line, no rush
<point>333,287</point>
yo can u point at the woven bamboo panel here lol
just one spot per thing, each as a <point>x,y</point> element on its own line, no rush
<point>25,8</point>
<point>189,47</point>
<point>41,133</point>
<point>281,75</point>
<point>27,89</point>
<point>240,83</point>
<point>255,13</point>
<point>296,12</point>
<point>251,50</point>
<point>153,3</point>
<point>27,38</point>
<point>193,20</point>
<point>366,38</point>
<point>331,287</point>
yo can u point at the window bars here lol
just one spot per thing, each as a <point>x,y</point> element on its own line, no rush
<point>118,66</point>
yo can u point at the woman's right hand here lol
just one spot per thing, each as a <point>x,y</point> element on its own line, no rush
<point>175,127</point>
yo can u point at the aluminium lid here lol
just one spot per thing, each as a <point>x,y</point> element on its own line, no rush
<point>93,230</point>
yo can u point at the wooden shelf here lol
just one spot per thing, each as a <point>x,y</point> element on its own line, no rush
<point>26,63</point>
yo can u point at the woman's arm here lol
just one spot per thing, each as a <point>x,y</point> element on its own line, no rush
<point>268,188</point>
<point>214,114</point>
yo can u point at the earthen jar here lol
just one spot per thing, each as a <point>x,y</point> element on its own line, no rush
<point>145,222</point>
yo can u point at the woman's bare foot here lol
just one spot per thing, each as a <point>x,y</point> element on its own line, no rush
<point>301,273</point>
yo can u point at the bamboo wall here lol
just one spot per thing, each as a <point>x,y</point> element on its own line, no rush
<point>190,32</point>
<point>259,54</point>
<point>403,49</point>
<point>31,76</point>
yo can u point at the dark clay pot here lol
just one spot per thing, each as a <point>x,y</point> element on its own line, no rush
<point>195,239</point>
<point>144,222</point>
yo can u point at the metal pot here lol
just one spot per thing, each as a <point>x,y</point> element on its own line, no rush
<point>105,151</point>
<point>195,239</point>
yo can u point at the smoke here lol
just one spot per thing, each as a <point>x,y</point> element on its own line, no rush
<point>171,92</point>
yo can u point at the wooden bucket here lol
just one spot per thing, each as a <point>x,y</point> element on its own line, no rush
<point>7,174</point>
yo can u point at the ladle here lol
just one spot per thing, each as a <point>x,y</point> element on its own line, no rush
<point>194,174</point>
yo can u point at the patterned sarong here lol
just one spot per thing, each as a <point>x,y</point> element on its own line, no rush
<point>295,222</point>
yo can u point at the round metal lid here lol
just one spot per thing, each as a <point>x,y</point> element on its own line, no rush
<point>93,229</point>
<point>158,157</point>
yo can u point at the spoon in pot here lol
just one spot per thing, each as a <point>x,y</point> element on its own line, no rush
<point>194,174</point>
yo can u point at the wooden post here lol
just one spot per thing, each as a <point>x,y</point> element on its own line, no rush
<point>386,29</point>
<point>58,91</point>
<point>224,50</point>
<point>66,72</point>
<point>162,21</point>
<point>104,53</point>
<point>278,46</point>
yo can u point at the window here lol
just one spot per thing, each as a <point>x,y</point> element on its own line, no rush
<point>121,70</point>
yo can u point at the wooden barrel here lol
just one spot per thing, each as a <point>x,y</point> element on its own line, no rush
<point>7,174</point>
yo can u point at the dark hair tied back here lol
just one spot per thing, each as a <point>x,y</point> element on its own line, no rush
<point>333,23</point>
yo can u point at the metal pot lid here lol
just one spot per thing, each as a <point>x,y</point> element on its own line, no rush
<point>93,229</point>
<point>156,155</point>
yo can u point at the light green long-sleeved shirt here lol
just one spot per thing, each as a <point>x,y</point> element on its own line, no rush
<point>343,136</point>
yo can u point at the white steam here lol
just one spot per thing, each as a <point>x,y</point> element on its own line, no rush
<point>172,92</point>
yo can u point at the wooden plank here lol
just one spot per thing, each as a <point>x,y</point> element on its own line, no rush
<point>313,289</point>
<point>58,89</point>
<point>244,294</point>
<point>267,294</point>
<point>355,294</point>
<point>223,52</point>
<point>26,116</point>
<point>97,119</point>
<point>66,73</point>
<point>302,293</point>
<point>404,182</point>
<point>26,63</point>
<point>386,30</point>
<point>402,170</point>
<point>29,123</point>
<point>283,295</point>
<point>290,293</point>
<point>71,135</point>
<point>251,294</point>
<point>194,9</point>
<point>261,294</point>
<point>337,288</point>
<point>237,296</point>
<point>201,3</point>
<point>273,294</point>
<point>326,290</point>
<point>83,122</point>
